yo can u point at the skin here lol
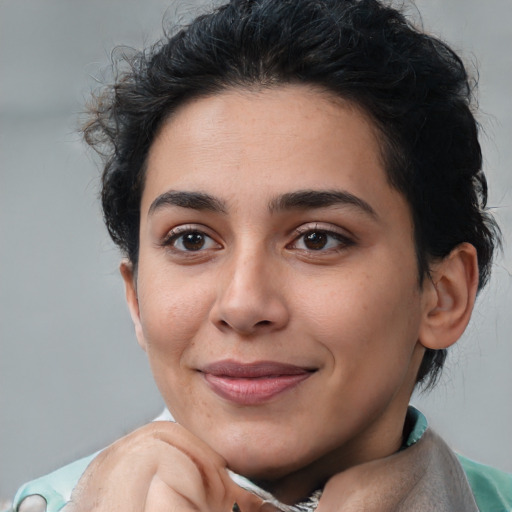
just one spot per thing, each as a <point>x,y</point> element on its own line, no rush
<point>246,274</point>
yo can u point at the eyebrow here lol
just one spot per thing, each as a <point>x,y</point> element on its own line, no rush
<point>312,199</point>
<point>192,200</point>
<point>298,200</point>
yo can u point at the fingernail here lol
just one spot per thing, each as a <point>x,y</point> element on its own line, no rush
<point>33,503</point>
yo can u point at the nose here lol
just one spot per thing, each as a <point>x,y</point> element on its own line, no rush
<point>251,298</point>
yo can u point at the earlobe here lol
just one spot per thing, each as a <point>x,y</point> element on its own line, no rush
<point>449,297</point>
<point>129,278</point>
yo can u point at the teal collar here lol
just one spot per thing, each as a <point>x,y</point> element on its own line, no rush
<point>414,427</point>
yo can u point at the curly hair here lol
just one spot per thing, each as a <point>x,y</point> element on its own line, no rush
<point>412,85</point>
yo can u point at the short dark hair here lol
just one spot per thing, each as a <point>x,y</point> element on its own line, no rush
<point>412,85</point>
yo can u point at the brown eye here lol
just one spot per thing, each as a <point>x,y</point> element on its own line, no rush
<point>315,240</point>
<point>321,240</point>
<point>193,241</point>
<point>190,240</point>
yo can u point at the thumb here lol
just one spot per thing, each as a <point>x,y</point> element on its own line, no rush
<point>245,501</point>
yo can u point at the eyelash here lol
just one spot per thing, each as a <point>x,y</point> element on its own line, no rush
<point>341,241</point>
<point>180,232</point>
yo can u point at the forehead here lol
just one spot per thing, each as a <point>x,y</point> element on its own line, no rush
<point>273,141</point>
<point>291,113</point>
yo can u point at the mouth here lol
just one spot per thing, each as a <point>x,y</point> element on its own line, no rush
<point>254,383</point>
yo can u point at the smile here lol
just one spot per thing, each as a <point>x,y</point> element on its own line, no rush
<point>255,383</point>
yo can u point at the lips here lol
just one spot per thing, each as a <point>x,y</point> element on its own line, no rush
<point>255,383</point>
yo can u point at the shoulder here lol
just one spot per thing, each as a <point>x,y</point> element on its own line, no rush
<point>491,487</point>
<point>56,487</point>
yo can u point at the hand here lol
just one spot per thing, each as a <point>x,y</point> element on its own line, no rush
<point>160,467</point>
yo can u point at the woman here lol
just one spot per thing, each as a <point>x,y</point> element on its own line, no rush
<point>297,189</point>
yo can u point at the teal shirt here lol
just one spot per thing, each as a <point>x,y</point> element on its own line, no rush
<point>491,487</point>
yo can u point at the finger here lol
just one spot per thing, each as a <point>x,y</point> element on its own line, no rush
<point>182,480</point>
<point>246,501</point>
<point>260,507</point>
<point>179,437</point>
<point>161,498</point>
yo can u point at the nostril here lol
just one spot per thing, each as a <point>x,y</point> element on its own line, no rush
<point>248,314</point>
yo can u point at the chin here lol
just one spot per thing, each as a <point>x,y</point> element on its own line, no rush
<point>259,447</point>
<point>261,471</point>
<point>265,461</point>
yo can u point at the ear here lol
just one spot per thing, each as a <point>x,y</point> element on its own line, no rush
<point>130,287</point>
<point>449,296</point>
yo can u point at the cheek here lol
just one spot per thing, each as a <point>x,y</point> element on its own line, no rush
<point>363,316</point>
<point>172,311</point>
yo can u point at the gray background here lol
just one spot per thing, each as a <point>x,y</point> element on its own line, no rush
<point>72,377</point>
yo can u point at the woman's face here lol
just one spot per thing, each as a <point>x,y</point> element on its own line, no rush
<point>277,291</point>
